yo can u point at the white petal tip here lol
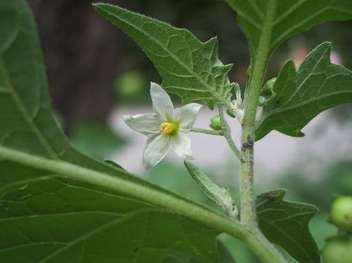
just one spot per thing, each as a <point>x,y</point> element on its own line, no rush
<point>155,86</point>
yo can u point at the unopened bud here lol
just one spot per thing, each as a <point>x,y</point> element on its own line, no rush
<point>215,123</point>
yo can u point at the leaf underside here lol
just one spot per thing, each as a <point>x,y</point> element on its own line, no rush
<point>317,86</point>
<point>47,218</point>
<point>188,67</point>
<point>291,17</point>
<point>286,224</point>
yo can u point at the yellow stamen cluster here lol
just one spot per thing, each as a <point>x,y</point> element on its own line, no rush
<point>168,128</point>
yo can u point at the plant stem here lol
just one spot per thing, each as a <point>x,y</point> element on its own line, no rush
<point>248,214</point>
<point>227,132</point>
<point>207,131</point>
<point>154,196</point>
<point>248,204</point>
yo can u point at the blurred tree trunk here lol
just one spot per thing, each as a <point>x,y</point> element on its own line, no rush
<point>82,55</point>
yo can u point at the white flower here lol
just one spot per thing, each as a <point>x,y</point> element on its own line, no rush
<point>167,128</point>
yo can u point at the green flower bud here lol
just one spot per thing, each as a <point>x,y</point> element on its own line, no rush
<point>268,88</point>
<point>215,123</point>
<point>341,213</point>
<point>338,250</point>
<point>267,93</point>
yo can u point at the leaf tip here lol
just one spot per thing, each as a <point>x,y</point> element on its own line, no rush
<point>100,6</point>
<point>323,47</point>
<point>97,4</point>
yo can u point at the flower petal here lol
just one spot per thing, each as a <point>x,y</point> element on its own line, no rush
<point>181,145</point>
<point>187,114</point>
<point>148,123</point>
<point>156,149</point>
<point>162,103</point>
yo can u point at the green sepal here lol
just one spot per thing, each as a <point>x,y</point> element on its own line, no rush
<point>221,196</point>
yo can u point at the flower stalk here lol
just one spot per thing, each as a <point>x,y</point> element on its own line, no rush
<point>207,131</point>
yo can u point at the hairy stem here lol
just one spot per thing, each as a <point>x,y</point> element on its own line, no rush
<point>259,63</point>
<point>248,214</point>
<point>164,200</point>
<point>207,131</point>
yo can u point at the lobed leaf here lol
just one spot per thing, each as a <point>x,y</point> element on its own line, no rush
<point>188,67</point>
<point>290,17</point>
<point>300,96</point>
<point>286,224</point>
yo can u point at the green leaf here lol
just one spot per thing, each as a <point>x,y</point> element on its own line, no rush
<point>57,205</point>
<point>286,224</point>
<point>8,27</point>
<point>44,218</point>
<point>290,17</point>
<point>237,251</point>
<point>220,195</point>
<point>300,96</point>
<point>188,67</point>
<point>225,249</point>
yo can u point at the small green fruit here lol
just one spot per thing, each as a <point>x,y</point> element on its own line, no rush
<point>341,213</point>
<point>215,123</point>
<point>338,250</point>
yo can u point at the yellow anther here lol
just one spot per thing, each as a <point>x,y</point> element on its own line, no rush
<point>168,128</point>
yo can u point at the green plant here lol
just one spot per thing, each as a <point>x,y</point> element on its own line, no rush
<point>338,248</point>
<point>58,205</point>
<point>341,213</point>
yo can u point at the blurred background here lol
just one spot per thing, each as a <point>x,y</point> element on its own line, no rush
<point>96,75</point>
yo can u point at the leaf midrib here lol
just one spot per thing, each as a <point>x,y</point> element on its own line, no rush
<point>191,72</point>
<point>163,200</point>
<point>282,110</point>
<point>297,244</point>
<point>311,73</point>
<point>289,11</point>
<point>279,19</point>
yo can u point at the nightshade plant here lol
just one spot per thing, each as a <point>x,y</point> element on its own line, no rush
<point>57,205</point>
